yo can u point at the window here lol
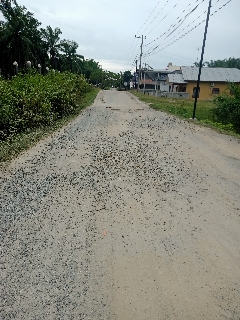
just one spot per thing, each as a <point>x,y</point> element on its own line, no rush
<point>215,91</point>
<point>195,92</point>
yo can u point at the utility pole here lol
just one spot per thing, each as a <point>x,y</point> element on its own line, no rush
<point>140,65</point>
<point>201,61</point>
<point>136,75</point>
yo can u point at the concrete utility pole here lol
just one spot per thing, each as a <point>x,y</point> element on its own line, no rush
<point>201,60</point>
<point>136,76</point>
<point>140,65</point>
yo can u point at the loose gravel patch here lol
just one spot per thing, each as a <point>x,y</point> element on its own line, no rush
<point>126,213</point>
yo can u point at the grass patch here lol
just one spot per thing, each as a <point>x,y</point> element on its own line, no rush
<point>11,148</point>
<point>183,108</point>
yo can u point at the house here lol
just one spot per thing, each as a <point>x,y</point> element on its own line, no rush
<point>171,67</point>
<point>156,79</point>
<point>153,80</point>
<point>213,81</point>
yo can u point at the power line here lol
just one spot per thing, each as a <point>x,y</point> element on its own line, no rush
<point>179,19</point>
<point>129,57</point>
<point>169,44</point>
<point>181,22</point>
<point>220,7</point>
<point>149,17</point>
<point>183,35</point>
<point>176,55</point>
<point>163,18</point>
<point>157,16</point>
<point>130,53</point>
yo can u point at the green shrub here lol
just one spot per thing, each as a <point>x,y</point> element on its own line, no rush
<point>32,100</point>
<point>227,109</point>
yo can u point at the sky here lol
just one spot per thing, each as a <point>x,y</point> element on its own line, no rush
<point>105,29</point>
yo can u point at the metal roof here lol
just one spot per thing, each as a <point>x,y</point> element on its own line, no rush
<point>157,71</point>
<point>176,78</point>
<point>211,74</point>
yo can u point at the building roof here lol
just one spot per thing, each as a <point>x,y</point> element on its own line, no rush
<point>176,78</point>
<point>156,71</point>
<point>211,74</point>
<point>171,67</point>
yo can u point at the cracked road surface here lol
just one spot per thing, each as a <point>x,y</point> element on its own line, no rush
<point>126,213</point>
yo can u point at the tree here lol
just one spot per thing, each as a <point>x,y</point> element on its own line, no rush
<point>127,76</point>
<point>227,109</point>
<point>225,63</point>
<point>197,64</point>
<point>20,39</point>
<point>52,43</point>
<point>70,58</point>
<point>91,70</point>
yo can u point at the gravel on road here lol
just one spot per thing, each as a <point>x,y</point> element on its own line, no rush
<point>125,213</point>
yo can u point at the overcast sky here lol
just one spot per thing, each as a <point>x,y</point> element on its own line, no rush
<point>105,29</point>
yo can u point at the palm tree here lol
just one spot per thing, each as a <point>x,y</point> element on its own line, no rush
<point>19,37</point>
<point>72,60</point>
<point>51,43</point>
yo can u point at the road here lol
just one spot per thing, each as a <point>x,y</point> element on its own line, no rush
<point>126,213</point>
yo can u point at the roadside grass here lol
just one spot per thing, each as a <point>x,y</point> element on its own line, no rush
<point>183,108</point>
<point>12,147</point>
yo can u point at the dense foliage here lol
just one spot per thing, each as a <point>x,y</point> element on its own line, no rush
<point>227,109</point>
<point>32,100</point>
<point>225,63</point>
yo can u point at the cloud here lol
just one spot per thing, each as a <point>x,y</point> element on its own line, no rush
<point>113,65</point>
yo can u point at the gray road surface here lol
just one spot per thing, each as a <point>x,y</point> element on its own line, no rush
<point>125,214</point>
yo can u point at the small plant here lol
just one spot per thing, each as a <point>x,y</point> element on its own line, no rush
<point>227,109</point>
<point>222,113</point>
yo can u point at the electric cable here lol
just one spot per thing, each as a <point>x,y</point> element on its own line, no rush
<point>158,15</point>
<point>178,20</point>
<point>163,17</point>
<point>149,16</point>
<point>183,35</point>
<point>130,53</point>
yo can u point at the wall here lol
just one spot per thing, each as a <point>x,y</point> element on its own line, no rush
<point>206,89</point>
<point>182,95</point>
<point>164,86</point>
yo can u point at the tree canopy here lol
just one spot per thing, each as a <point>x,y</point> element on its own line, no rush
<point>127,76</point>
<point>225,63</point>
<point>22,39</point>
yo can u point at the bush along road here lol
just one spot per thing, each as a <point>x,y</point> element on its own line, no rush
<point>32,106</point>
<point>125,213</point>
